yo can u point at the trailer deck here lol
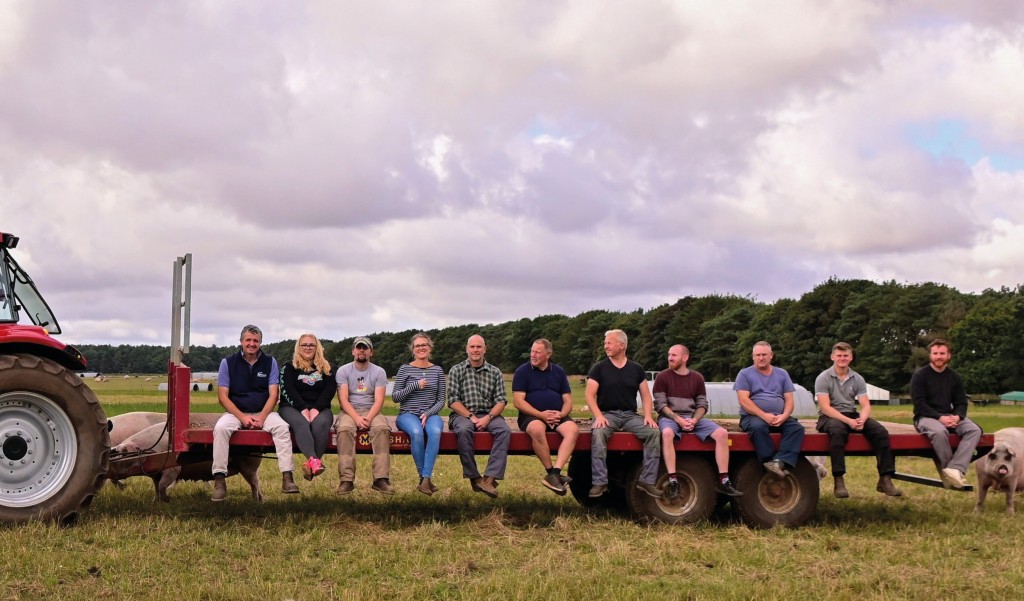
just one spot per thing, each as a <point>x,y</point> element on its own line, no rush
<point>904,439</point>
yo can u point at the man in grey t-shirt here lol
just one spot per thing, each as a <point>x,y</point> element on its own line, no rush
<point>839,389</point>
<point>361,388</point>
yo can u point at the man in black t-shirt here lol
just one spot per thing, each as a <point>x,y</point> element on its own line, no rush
<point>612,386</point>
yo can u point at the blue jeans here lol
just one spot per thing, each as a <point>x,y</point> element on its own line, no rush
<point>424,441</point>
<point>789,446</point>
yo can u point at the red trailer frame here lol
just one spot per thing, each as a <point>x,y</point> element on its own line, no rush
<point>767,500</point>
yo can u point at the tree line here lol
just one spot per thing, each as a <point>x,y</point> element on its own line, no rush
<point>888,324</point>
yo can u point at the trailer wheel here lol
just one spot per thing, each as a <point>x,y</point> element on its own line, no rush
<point>769,500</point>
<point>697,494</point>
<point>54,444</point>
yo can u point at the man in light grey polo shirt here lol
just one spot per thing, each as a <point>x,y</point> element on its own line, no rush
<point>839,389</point>
<point>361,387</point>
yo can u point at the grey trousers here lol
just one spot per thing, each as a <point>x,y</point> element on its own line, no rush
<point>626,421</point>
<point>464,433</point>
<point>311,437</point>
<point>938,435</point>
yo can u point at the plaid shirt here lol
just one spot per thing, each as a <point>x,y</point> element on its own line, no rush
<point>477,388</point>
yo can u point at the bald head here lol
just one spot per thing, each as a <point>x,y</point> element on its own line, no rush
<point>475,350</point>
<point>678,355</point>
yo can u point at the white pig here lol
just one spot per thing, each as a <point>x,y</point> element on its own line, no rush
<point>154,439</point>
<point>1003,468</point>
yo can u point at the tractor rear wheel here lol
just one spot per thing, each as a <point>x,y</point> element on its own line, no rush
<point>54,445</point>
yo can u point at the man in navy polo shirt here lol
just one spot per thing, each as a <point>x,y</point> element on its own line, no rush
<point>247,387</point>
<point>540,391</point>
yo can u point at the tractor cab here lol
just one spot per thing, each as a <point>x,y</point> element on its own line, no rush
<point>18,294</point>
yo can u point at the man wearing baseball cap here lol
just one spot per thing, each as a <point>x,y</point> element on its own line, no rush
<point>361,387</point>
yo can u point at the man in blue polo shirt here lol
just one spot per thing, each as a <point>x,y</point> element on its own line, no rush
<point>247,388</point>
<point>541,394</point>
<point>765,393</point>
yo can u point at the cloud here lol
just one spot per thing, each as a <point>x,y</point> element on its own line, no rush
<point>366,167</point>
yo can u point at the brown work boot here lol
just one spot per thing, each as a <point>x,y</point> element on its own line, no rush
<point>220,488</point>
<point>840,488</point>
<point>481,485</point>
<point>288,484</point>
<point>650,489</point>
<point>425,487</point>
<point>491,481</point>
<point>383,485</point>
<point>886,486</point>
<point>344,487</point>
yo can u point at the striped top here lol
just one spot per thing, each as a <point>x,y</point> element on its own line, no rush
<point>409,396</point>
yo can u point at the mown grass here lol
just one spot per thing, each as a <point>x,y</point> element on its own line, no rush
<point>527,544</point>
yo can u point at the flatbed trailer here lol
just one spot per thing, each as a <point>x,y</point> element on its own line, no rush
<point>767,499</point>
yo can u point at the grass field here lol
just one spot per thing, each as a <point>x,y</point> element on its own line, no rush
<point>527,544</point>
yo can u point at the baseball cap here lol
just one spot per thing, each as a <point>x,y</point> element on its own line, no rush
<point>362,340</point>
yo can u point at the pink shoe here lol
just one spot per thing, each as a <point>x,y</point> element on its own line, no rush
<point>316,466</point>
<point>307,469</point>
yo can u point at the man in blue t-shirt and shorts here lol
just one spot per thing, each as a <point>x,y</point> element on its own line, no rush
<point>765,393</point>
<point>541,394</point>
<point>612,386</point>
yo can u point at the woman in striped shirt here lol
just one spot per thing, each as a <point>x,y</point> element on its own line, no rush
<point>419,391</point>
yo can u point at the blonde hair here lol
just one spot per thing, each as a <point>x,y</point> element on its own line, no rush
<point>300,363</point>
<point>619,335</point>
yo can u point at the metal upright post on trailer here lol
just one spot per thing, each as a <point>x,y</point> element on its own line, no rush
<point>179,375</point>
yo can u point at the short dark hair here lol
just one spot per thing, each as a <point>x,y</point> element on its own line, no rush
<point>940,342</point>
<point>250,329</point>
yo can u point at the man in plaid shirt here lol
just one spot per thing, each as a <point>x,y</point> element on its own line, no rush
<point>476,396</point>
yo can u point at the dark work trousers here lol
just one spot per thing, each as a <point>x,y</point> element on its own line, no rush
<point>839,433</point>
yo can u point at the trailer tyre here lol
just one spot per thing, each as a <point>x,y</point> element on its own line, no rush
<point>697,494</point>
<point>769,500</point>
<point>54,445</point>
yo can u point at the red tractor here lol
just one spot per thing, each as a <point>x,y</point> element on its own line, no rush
<point>54,445</point>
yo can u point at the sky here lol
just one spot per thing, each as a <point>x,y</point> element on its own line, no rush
<point>354,167</point>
